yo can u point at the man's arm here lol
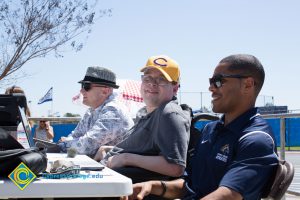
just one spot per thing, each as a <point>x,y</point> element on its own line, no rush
<point>107,129</point>
<point>223,193</point>
<point>49,131</point>
<point>153,163</point>
<point>174,189</point>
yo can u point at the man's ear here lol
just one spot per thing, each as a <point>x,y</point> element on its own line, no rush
<point>175,88</point>
<point>249,84</point>
<point>108,91</point>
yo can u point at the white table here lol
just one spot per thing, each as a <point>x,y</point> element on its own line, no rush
<point>105,183</point>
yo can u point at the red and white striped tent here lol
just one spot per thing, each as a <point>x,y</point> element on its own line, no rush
<point>129,94</point>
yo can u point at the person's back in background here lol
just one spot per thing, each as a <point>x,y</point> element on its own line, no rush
<point>18,90</point>
<point>19,133</point>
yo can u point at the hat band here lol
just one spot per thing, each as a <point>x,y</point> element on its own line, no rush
<point>93,79</point>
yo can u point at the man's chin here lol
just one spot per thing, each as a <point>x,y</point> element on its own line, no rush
<point>85,103</point>
<point>215,109</point>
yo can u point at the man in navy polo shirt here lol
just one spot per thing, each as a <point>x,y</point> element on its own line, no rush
<point>235,156</point>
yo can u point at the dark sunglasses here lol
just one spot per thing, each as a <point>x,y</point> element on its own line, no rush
<point>42,121</point>
<point>218,80</point>
<point>88,85</point>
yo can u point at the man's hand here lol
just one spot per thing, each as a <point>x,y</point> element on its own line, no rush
<point>47,125</point>
<point>102,152</point>
<point>62,139</point>
<point>117,161</point>
<point>140,190</point>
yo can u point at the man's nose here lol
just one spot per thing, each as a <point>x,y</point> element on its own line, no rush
<point>211,87</point>
<point>153,83</point>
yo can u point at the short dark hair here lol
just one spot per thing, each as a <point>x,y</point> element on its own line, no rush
<point>247,65</point>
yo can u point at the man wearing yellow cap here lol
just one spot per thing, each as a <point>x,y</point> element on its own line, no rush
<point>159,140</point>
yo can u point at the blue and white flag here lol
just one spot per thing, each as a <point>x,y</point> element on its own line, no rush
<point>47,97</point>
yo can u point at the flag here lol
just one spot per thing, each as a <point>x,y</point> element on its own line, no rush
<point>47,97</point>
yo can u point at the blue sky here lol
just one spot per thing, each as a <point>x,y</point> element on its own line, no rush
<point>197,34</point>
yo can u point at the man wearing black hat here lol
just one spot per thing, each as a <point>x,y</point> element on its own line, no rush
<point>105,121</point>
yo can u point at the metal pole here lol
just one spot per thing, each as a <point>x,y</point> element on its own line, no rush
<point>51,108</point>
<point>282,138</point>
<point>282,142</point>
<point>201,101</point>
<point>29,104</point>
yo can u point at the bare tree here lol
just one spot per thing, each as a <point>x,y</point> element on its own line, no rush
<point>34,28</point>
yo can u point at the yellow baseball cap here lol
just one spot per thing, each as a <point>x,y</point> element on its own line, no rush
<point>168,67</point>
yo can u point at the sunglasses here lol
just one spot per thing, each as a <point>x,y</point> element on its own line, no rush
<point>88,85</point>
<point>218,80</point>
<point>42,121</point>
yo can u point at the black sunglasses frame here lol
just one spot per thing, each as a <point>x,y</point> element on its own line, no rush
<point>88,86</point>
<point>218,79</point>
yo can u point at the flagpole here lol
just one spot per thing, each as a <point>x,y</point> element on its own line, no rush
<point>52,104</point>
<point>52,108</point>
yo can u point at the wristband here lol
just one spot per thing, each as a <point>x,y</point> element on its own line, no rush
<point>164,187</point>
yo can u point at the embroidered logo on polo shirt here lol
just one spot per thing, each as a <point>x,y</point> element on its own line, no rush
<point>223,155</point>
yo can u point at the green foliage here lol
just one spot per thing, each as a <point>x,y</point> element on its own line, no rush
<point>71,115</point>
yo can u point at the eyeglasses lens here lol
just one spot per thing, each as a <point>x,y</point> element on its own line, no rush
<point>159,80</point>
<point>216,81</point>
<point>86,86</point>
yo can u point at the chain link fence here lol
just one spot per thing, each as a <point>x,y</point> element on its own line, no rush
<point>201,101</point>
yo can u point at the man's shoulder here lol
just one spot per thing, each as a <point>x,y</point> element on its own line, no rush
<point>113,106</point>
<point>170,107</point>
<point>173,108</point>
<point>258,124</point>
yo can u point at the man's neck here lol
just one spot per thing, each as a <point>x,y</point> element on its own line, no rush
<point>229,117</point>
<point>100,102</point>
<point>150,109</point>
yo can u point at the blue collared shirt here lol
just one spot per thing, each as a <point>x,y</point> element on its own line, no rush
<point>240,156</point>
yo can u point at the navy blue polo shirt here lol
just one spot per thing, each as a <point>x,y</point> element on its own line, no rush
<point>240,156</point>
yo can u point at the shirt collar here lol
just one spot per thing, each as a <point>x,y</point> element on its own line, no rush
<point>239,123</point>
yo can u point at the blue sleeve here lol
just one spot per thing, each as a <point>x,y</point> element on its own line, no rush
<point>255,161</point>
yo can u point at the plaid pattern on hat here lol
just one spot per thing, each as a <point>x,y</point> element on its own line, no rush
<point>100,75</point>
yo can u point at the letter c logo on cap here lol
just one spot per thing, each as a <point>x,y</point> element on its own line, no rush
<point>161,62</point>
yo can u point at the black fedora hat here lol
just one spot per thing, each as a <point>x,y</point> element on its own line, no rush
<point>101,76</point>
